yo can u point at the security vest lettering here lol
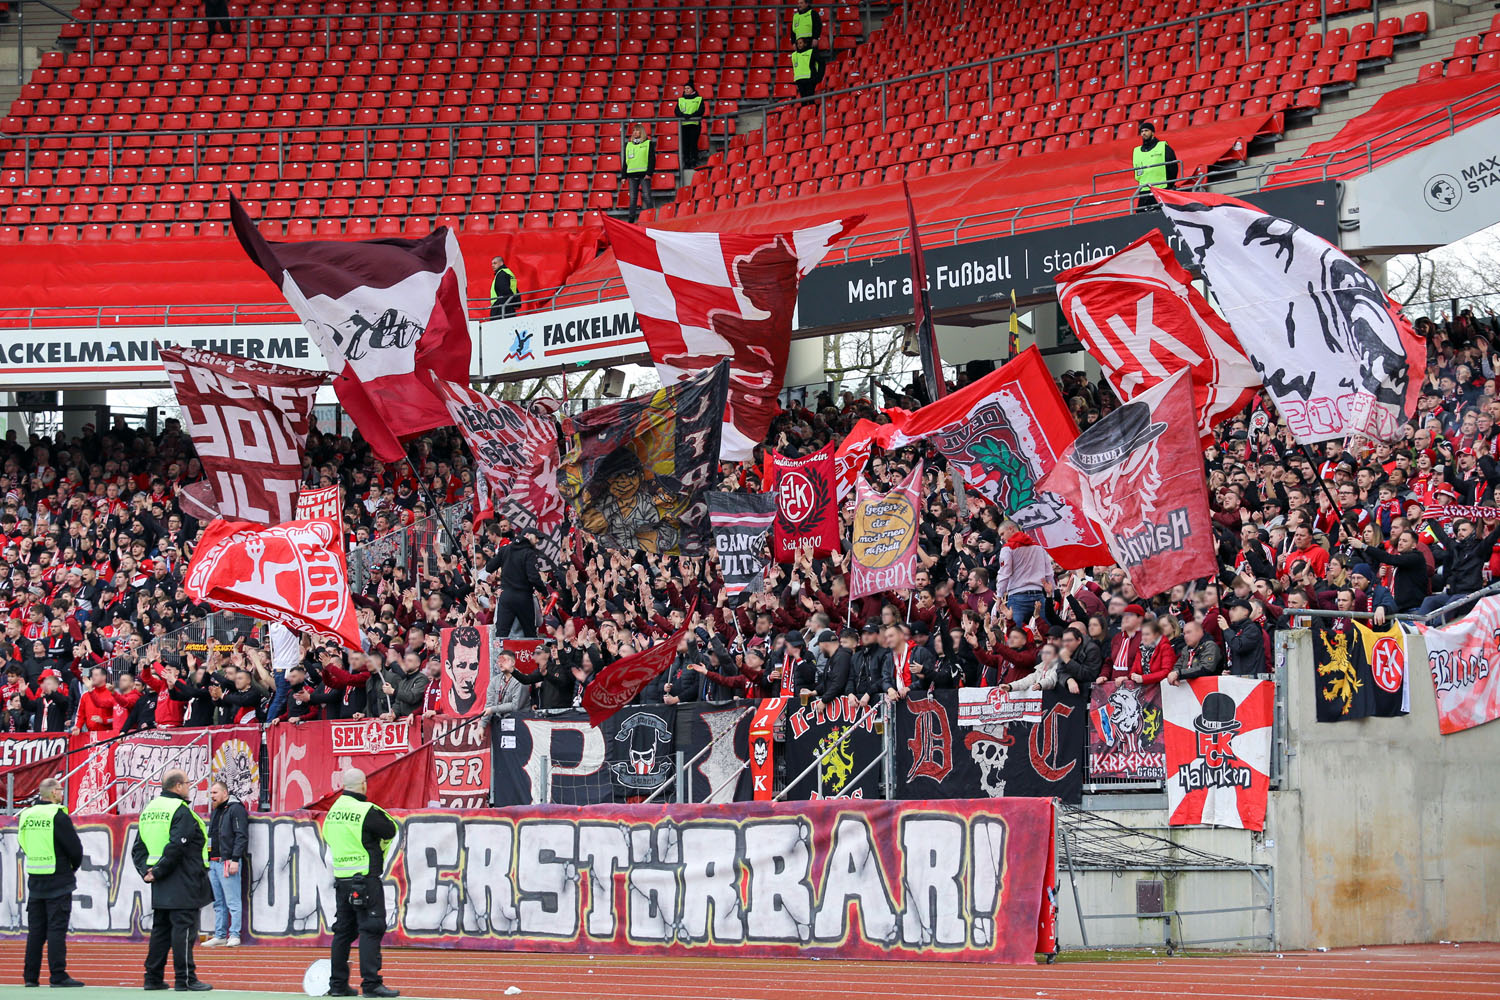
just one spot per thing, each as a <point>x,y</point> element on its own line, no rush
<point>1150,165</point>
<point>802,24</point>
<point>343,832</point>
<point>637,156</point>
<point>155,826</point>
<point>802,65</point>
<point>690,105</point>
<point>36,826</point>
<point>510,281</point>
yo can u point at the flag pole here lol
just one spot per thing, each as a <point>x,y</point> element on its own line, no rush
<point>438,513</point>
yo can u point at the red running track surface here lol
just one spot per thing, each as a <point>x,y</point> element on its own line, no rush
<point>1413,972</point>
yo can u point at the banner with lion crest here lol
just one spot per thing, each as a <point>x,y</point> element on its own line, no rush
<point>637,472</point>
<point>846,732</point>
<point>1127,740</point>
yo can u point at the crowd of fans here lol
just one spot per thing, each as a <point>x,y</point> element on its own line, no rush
<point>95,544</point>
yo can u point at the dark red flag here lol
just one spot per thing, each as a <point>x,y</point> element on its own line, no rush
<point>617,684</point>
<point>1138,476</point>
<point>932,363</point>
<point>806,503</point>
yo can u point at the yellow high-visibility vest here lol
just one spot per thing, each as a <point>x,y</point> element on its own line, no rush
<point>1150,165</point>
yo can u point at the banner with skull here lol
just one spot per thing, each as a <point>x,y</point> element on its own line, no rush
<point>1137,475</point>
<point>1337,356</point>
<point>989,743</point>
<point>1127,739</point>
<point>640,750</point>
<point>1218,751</point>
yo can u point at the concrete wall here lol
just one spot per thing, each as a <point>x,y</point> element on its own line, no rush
<point>1385,832</point>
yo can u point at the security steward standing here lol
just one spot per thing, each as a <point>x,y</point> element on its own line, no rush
<point>806,23</point>
<point>53,855</point>
<point>359,835</point>
<point>1155,165</point>
<point>171,853</point>
<point>690,115</point>
<point>807,68</point>
<point>504,291</point>
<point>640,163</point>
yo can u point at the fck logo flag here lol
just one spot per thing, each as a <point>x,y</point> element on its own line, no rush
<point>382,312</point>
<point>806,503</point>
<point>249,421</point>
<point>883,547</point>
<point>292,573</point>
<point>1136,474</point>
<point>1338,358</point>
<point>704,297</point>
<point>1218,751</point>
<point>1137,313</point>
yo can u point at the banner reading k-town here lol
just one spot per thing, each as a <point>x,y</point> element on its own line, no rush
<point>937,881</point>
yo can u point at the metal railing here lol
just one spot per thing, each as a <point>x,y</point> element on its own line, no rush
<point>531,24</point>
<point>414,547</point>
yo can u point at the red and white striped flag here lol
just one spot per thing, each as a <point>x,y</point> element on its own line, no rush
<point>383,312</point>
<point>703,297</point>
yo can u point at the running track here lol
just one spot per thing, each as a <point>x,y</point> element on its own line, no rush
<point>1429,972</point>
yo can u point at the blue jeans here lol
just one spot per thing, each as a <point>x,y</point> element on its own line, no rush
<point>1023,604</point>
<point>228,899</point>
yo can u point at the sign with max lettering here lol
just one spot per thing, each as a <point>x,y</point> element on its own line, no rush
<point>933,881</point>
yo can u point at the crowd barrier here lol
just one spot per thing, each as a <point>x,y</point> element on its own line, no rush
<point>974,743</point>
<point>926,880</point>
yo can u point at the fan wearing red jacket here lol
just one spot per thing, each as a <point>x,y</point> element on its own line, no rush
<point>96,706</point>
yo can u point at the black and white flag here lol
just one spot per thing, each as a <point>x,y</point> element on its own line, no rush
<point>741,521</point>
<point>1336,355</point>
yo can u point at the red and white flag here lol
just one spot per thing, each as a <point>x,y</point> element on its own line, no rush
<point>293,573</point>
<point>1339,358</point>
<point>853,452</point>
<point>516,451</point>
<point>382,312</point>
<point>1218,751</point>
<point>1139,315</point>
<point>1003,434</point>
<point>1138,475</point>
<point>249,421</point>
<point>703,297</point>
<point>616,685</point>
<point>1462,656</point>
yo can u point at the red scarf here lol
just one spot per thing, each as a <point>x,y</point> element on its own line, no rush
<point>1019,540</point>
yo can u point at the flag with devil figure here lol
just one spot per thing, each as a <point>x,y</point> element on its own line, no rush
<point>1137,474</point>
<point>637,472</point>
<point>741,521</point>
<point>1358,671</point>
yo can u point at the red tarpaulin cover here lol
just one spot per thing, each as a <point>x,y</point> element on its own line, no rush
<point>1032,188</point>
<point>132,280</point>
<point>1403,108</point>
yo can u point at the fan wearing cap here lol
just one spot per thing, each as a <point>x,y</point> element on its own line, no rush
<point>1155,165</point>
<point>834,663</point>
<point>868,665</point>
<point>1243,639</point>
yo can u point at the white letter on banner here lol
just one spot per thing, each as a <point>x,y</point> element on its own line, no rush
<point>431,847</point>
<point>853,872</point>
<point>710,878</point>
<point>489,893</point>
<point>548,879</point>
<point>778,856</point>
<point>987,866</point>
<point>315,898</point>
<point>543,732</point>
<point>91,898</point>
<point>131,890</point>
<point>270,872</point>
<point>602,851</point>
<point>934,852</point>
<point>11,880</point>
<point>651,903</point>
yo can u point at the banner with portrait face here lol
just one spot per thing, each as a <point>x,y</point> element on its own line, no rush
<point>466,666</point>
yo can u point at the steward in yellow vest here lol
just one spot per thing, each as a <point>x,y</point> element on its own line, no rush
<point>690,118</point>
<point>1155,165</point>
<point>171,853</point>
<point>53,854</point>
<point>807,67</point>
<point>505,291</point>
<point>639,156</point>
<point>806,23</point>
<point>359,835</point>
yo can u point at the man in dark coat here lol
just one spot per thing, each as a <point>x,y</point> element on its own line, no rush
<point>53,856</point>
<point>1243,639</point>
<point>171,853</point>
<point>520,577</point>
<point>228,843</point>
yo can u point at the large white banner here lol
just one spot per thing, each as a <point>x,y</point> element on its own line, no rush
<point>1434,196</point>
